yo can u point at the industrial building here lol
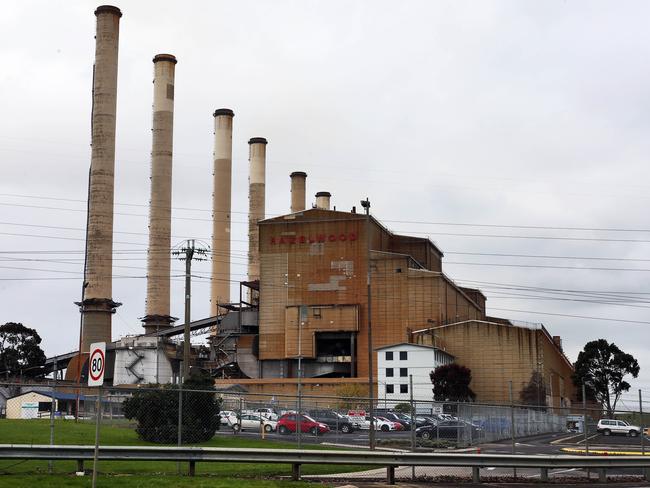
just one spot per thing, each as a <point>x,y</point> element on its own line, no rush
<point>313,304</point>
<point>326,290</point>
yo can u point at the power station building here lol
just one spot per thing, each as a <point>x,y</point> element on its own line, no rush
<point>313,305</point>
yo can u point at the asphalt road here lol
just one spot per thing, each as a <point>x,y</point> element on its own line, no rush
<point>542,444</point>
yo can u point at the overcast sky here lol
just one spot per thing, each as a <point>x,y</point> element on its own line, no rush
<point>492,113</point>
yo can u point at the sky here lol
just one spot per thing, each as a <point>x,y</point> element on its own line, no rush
<point>513,134</point>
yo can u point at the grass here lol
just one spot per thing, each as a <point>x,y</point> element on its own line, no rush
<point>71,481</point>
<point>130,473</point>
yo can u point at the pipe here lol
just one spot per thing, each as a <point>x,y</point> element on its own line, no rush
<point>256,205</point>
<point>157,306</point>
<point>221,207</point>
<point>298,191</point>
<point>98,306</point>
<point>323,200</point>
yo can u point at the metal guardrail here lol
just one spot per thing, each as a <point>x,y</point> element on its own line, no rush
<point>297,457</point>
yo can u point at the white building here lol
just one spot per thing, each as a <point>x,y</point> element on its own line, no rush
<point>398,362</point>
<point>142,359</point>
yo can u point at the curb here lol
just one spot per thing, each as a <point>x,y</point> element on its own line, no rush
<point>604,452</point>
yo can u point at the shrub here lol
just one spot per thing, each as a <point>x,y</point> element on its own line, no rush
<point>156,411</point>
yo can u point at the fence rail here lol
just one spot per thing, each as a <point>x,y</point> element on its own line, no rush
<point>297,457</point>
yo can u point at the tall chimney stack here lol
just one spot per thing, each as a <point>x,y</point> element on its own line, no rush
<point>98,305</point>
<point>323,200</point>
<point>160,212</point>
<point>221,206</point>
<point>298,183</point>
<point>256,198</point>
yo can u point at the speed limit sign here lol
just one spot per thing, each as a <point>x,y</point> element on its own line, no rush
<point>97,364</point>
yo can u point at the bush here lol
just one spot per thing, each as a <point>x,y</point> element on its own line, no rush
<point>156,411</point>
<point>403,408</point>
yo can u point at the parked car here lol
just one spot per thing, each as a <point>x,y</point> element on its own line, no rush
<point>333,420</point>
<point>228,417</point>
<point>395,424</point>
<point>288,423</point>
<point>269,413</point>
<point>398,417</point>
<point>610,426</point>
<point>379,424</point>
<point>451,429</point>
<point>252,421</point>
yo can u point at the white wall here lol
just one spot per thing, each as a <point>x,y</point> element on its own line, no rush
<point>127,353</point>
<point>420,361</point>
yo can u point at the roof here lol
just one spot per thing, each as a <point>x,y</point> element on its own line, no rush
<point>57,395</point>
<point>411,344</point>
<point>310,215</point>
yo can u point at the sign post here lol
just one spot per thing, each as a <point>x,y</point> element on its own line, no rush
<point>96,369</point>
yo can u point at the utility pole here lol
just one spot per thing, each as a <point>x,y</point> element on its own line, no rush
<point>371,394</point>
<point>187,253</point>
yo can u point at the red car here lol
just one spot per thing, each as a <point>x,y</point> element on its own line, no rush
<point>288,424</point>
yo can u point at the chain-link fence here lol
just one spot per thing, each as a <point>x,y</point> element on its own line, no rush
<point>171,415</point>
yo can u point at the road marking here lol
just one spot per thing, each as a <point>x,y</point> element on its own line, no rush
<point>604,452</point>
<point>525,445</point>
<point>554,472</point>
<point>565,439</point>
<point>590,437</point>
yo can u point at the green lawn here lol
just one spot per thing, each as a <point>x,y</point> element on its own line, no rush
<point>136,473</point>
<point>151,481</point>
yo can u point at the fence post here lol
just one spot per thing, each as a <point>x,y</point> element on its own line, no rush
<point>390,475</point>
<point>413,443</point>
<point>584,418</point>
<point>241,405</point>
<point>50,464</point>
<point>98,412</point>
<point>543,475</point>
<point>512,424</point>
<point>476,474</point>
<point>180,419</point>
<point>641,426</point>
<point>295,472</point>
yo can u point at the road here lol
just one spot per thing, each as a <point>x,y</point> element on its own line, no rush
<point>542,444</point>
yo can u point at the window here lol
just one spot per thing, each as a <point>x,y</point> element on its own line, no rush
<point>403,388</point>
<point>390,388</point>
<point>317,313</point>
<point>390,372</point>
<point>403,372</point>
<point>403,355</point>
<point>389,355</point>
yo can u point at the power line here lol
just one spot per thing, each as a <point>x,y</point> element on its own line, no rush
<point>573,316</point>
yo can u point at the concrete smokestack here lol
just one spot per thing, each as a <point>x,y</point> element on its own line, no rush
<point>323,200</point>
<point>98,305</point>
<point>221,206</point>
<point>160,212</point>
<point>256,205</point>
<point>298,194</point>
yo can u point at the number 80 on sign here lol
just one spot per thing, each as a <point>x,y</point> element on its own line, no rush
<point>97,364</point>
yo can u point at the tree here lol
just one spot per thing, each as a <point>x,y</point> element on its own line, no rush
<point>156,411</point>
<point>534,393</point>
<point>20,351</point>
<point>352,396</point>
<point>451,383</point>
<point>403,408</point>
<point>601,367</point>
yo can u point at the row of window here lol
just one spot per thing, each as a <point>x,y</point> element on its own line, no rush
<point>403,372</point>
<point>403,355</point>
<point>402,388</point>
